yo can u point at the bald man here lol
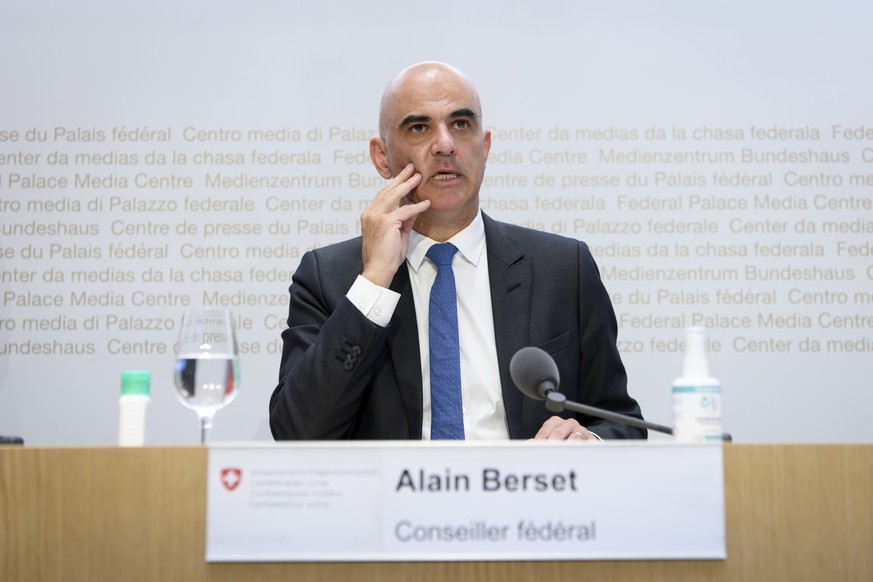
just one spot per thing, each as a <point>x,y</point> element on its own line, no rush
<point>355,358</point>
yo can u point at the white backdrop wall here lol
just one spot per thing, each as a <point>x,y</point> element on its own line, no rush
<point>716,156</point>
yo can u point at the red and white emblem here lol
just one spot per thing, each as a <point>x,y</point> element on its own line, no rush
<point>231,478</point>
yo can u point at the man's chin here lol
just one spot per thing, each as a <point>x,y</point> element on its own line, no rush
<point>451,194</point>
<point>452,206</point>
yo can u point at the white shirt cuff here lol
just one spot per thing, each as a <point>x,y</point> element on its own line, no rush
<point>375,302</point>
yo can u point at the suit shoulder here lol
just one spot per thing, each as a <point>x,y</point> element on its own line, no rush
<point>338,254</point>
<point>338,248</point>
<point>338,261</point>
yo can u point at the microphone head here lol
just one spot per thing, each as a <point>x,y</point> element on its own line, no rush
<point>534,372</point>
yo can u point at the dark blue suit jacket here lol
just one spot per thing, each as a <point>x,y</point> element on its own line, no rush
<point>344,377</point>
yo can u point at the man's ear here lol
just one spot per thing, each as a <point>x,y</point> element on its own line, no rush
<point>379,157</point>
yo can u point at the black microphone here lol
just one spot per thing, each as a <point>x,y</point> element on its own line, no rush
<point>536,374</point>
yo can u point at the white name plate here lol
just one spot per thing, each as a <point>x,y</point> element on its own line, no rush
<point>429,501</point>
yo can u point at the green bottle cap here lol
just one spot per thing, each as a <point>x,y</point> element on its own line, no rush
<point>135,382</point>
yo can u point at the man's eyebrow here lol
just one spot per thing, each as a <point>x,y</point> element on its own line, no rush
<point>413,119</point>
<point>464,113</point>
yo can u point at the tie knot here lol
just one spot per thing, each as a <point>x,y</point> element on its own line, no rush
<point>442,254</point>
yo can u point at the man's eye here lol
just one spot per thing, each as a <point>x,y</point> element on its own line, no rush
<point>462,124</point>
<point>417,128</point>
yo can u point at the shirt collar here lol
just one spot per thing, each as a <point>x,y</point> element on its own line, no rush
<point>469,242</point>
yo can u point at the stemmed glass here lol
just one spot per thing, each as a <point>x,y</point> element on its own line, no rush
<point>207,363</point>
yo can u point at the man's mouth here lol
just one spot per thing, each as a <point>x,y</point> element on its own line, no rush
<point>446,176</point>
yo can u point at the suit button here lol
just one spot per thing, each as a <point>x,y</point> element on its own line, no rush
<point>356,350</point>
<point>347,365</point>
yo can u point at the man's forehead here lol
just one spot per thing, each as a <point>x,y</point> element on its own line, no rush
<point>429,90</point>
<point>435,100</point>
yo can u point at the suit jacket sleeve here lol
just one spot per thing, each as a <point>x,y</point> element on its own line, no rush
<point>324,373</point>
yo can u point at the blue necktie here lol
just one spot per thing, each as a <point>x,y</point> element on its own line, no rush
<point>447,415</point>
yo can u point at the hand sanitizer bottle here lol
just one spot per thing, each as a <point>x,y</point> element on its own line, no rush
<point>696,396</point>
<point>135,388</point>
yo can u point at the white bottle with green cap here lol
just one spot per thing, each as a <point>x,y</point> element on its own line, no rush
<point>135,388</point>
<point>696,395</point>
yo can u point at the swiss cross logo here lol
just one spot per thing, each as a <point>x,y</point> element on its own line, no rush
<point>231,478</point>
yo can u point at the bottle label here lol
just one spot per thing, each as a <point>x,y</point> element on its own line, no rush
<point>131,421</point>
<point>697,414</point>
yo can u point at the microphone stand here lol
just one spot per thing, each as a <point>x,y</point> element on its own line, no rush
<point>556,402</point>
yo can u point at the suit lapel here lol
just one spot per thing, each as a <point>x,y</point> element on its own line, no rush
<point>405,353</point>
<point>511,275</point>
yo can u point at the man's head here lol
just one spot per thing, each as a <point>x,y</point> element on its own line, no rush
<point>431,116</point>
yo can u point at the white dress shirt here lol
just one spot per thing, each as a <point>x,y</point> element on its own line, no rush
<point>484,415</point>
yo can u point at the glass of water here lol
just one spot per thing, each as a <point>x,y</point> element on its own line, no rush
<point>207,363</point>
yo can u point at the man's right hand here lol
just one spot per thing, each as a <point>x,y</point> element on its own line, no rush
<point>385,226</point>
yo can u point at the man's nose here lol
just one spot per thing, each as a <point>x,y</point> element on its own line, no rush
<point>443,143</point>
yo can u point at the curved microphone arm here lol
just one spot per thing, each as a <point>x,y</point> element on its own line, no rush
<point>556,402</point>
